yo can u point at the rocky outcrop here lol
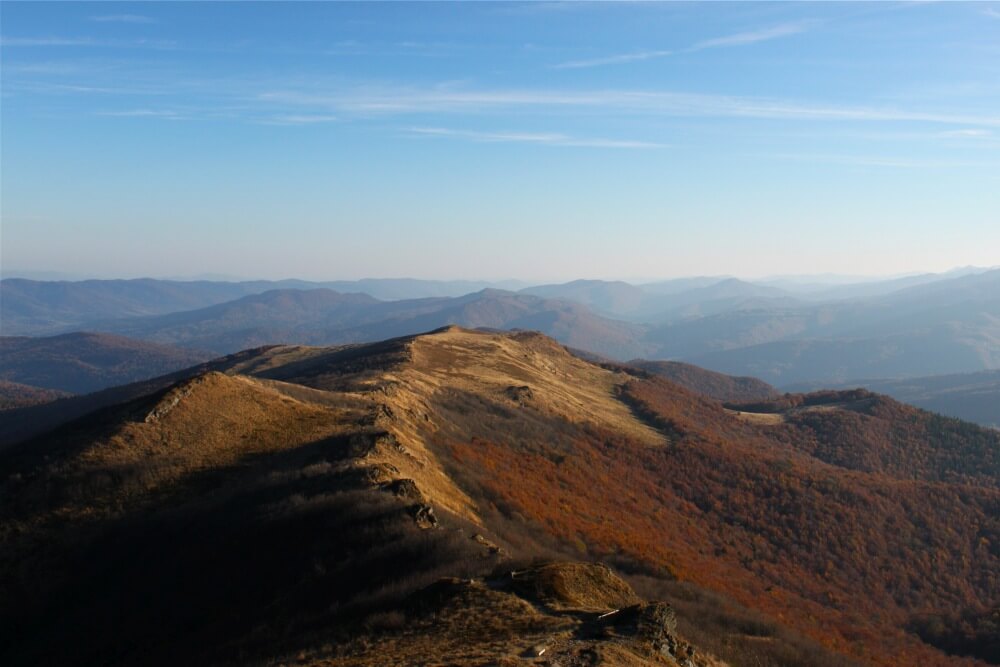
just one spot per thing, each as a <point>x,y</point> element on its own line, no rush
<point>423,515</point>
<point>519,394</point>
<point>574,586</point>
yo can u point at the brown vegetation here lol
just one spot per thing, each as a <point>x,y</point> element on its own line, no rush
<point>843,555</point>
<point>14,395</point>
<point>709,383</point>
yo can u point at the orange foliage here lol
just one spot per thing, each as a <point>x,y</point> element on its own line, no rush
<point>847,556</point>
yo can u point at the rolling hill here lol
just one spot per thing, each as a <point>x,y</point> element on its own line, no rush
<point>665,302</point>
<point>948,326</point>
<point>831,362</point>
<point>30,307</point>
<point>14,395</point>
<point>708,383</point>
<point>909,327</point>
<point>973,397</point>
<point>609,298</point>
<point>323,317</point>
<point>33,308</point>
<point>274,316</point>
<point>80,363</point>
<point>297,504</point>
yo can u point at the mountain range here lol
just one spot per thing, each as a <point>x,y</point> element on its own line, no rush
<point>905,328</point>
<point>33,307</point>
<point>473,497</point>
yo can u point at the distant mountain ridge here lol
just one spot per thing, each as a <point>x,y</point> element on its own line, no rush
<point>33,307</point>
<point>80,363</point>
<point>973,397</point>
<point>662,302</point>
<point>943,325</point>
<point>323,317</point>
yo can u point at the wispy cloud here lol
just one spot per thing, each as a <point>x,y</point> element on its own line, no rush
<point>544,138</point>
<point>992,13</point>
<point>87,87</point>
<point>323,99</point>
<point>968,133</point>
<point>353,47</point>
<point>47,41</point>
<point>738,39</point>
<point>753,36</point>
<point>900,163</point>
<point>540,7</point>
<point>123,18</point>
<point>51,41</point>
<point>881,161</point>
<point>300,119</point>
<point>612,60</point>
<point>43,68</point>
<point>399,101</point>
<point>141,113</point>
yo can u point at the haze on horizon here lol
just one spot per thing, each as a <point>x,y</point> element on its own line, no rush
<point>541,141</point>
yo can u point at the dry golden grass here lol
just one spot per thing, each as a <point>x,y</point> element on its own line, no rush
<point>781,416</point>
<point>566,586</point>
<point>561,384</point>
<point>210,422</point>
<point>764,418</point>
<point>491,364</point>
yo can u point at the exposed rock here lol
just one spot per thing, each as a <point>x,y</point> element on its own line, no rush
<point>575,586</point>
<point>379,473</point>
<point>362,445</point>
<point>653,623</point>
<point>655,619</point>
<point>173,399</point>
<point>520,395</point>
<point>404,488</point>
<point>536,651</point>
<point>423,515</point>
<point>493,548</point>
<point>383,414</point>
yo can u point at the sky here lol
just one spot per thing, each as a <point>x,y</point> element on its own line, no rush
<point>483,140</point>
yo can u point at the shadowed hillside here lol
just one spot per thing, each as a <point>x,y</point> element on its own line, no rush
<point>80,363</point>
<point>708,383</point>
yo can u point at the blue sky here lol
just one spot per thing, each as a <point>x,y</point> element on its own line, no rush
<point>545,141</point>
